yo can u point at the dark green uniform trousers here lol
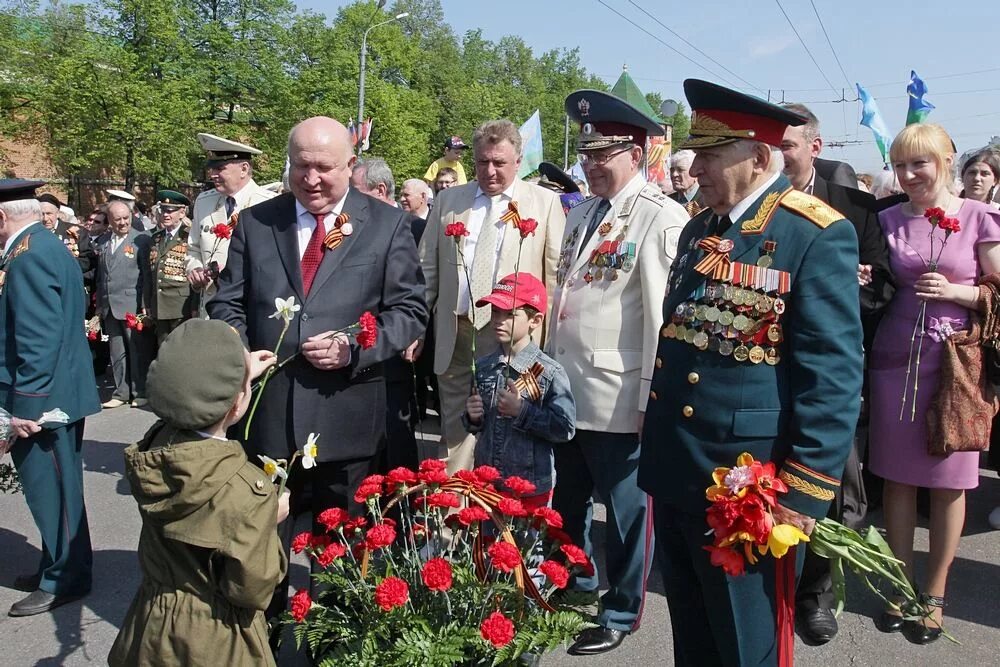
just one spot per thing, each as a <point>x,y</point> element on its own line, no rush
<point>51,469</point>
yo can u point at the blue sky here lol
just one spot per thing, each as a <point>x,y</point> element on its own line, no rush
<point>878,42</point>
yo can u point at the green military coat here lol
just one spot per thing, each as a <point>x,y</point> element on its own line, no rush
<point>168,295</point>
<point>209,552</point>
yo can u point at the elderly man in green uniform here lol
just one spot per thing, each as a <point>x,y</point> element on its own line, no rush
<point>760,352</point>
<point>169,299</point>
<point>45,368</point>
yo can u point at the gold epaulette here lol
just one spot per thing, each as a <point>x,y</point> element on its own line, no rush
<point>812,209</point>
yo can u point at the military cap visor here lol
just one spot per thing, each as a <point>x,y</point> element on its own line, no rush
<point>171,199</point>
<point>222,150</point>
<point>607,120</point>
<point>722,116</point>
<point>558,177</point>
<point>15,189</point>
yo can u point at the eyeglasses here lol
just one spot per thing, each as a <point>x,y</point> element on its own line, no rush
<point>600,160</point>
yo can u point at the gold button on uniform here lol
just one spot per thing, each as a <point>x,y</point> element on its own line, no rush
<point>659,362</point>
<point>687,411</point>
<point>693,378</point>
<point>652,395</point>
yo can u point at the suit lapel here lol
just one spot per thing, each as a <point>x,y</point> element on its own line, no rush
<point>820,190</point>
<point>286,239</point>
<point>356,206</point>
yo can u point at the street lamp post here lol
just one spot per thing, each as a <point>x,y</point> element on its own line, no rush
<point>361,76</point>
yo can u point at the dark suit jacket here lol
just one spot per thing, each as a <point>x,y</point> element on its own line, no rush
<point>120,275</point>
<point>396,368</point>
<point>44,359</point>
<point>374,269</point>
<point>861,209</point>
<point>835,171</point>
<point>77,240</point>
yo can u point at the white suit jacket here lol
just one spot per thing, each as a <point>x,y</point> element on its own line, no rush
<point>210,210</point>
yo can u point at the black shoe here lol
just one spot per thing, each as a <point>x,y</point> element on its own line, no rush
<point>818,625</point>
<point>888,622</point>
<point>27,582</point>
<point>593,641</point>
<point>918,633</point>
<point>39,602</point>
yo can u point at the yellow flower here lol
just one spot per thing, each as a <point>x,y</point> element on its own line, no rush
<point>732,481</point>
<point>782,537</point>
<point>272,468</point>
<point>310,451</point>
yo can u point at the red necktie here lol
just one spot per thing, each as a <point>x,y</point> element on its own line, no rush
<point>314,253</point>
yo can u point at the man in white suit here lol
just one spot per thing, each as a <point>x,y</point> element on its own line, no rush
<point>605,323</point>
<point>230,170</point>
<point>490,250</point>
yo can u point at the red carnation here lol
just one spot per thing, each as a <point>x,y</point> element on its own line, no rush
<point>549,517</point>
<point>398,477</point>
<point>437,574</point>
<point>950,225</point>
<point>556,573</point>
<point>131,321</point>
<point>318,542</point>
<point>519,486</point>
<point>511,507</point>
<point>331,553</point>
<point>369,333</point>
<point>471,515</point>
<point>433,476</point>
<point>456,229</point>
<point>355,524</point>
<point>486,474</point>
<point>333,518</point>
<point>527,226</point>
<point>222,231</point>
<point>577,556</point>
<point>497,629</point>
<point>92,334</point>
<point>935,215</point>
<point>301,541</point>
<point>366,491</point>
<point>558,535</point>
<point>379,536</point>
<point>470,477</point>
<point>391,593</point>
<point>301,603</point>
<point>730,560</point>
<point>432,464</point>
<point>504,556</point>
<point>443,499</point>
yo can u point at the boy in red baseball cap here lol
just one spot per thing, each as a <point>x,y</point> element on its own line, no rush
<point>522,404</point>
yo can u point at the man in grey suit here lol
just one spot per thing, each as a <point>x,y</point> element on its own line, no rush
<point>123,258</point>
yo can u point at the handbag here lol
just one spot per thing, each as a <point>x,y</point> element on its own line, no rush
<point>989,304</point>
<point>962,411</point>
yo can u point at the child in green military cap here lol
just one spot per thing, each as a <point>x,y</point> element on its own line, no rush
<point>209,551</point>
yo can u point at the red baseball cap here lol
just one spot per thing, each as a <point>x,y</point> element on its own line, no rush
<point>516,290</point>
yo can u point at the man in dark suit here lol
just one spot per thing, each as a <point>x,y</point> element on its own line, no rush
<point>121,270</point>
<point>76,238</point>
<point>800,146</point>
<point>836,171</point>
<point>45,366</point>
<point>339,253</point>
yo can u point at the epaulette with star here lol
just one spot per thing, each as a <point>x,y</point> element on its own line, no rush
<point>811,208</point>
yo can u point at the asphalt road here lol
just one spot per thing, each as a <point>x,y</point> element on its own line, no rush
<point>82,633</point>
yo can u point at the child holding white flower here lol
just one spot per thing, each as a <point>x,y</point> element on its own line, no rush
<point>209,551</point>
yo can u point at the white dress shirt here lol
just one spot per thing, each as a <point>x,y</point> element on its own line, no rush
<point>737,211</point>
<point>481,207</point>
<point>305,223</point>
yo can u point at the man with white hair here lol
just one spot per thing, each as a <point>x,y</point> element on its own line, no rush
<point>686,192</point>
<point>373,177</point>
<point>45,367</point>
<point>415,197</point>
<point>76,238</point>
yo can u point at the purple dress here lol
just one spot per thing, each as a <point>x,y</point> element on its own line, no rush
<point>899,448</point>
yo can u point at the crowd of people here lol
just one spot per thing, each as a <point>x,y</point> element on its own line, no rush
<point>637,337</point>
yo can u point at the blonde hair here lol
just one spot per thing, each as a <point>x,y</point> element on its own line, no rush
<point>925,139</point>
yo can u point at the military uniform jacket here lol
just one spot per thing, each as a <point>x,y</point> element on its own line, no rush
<point>44,359</point>
<point>168,295</point>
<point>606,312</point>
<point>796,405</point>
<point>77,240</point>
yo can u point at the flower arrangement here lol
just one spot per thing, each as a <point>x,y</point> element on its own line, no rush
<point>443,571</point>
<point>938,219</point>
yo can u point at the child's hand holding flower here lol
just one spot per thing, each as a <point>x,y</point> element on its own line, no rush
<point>260,361</point>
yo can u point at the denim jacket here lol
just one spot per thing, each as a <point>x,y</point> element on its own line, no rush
<point>522,445</point>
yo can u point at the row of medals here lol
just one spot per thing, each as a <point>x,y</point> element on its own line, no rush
<point>609,256</point>
<point>733,321</point>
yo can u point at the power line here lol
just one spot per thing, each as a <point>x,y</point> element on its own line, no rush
<point>830,43</point>
<point>675,34</point>
<point>803,43</point>
<point>682,55</point>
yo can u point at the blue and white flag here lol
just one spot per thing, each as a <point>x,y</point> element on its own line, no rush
<point>531,145</point>
<point>919,107</point>
<point>871,118</point>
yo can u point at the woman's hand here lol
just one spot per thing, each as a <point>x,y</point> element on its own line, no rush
<point>933,286</point>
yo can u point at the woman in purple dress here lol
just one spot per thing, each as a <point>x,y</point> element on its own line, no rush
<point>923,156</point>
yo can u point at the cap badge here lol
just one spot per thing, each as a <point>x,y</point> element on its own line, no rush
<point>584,106</point>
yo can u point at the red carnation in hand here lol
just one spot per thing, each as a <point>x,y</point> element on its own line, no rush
<point>222,231</point>
<point>331,553</point>
<point>504,556</point>
<point>548,517</point>
<point>379,536</point>
<point>301,603</point>
<point>437,574</point>
<point>301,541</point>
<point>456,229</point>
<point>391,593</point>
<point>950,225</point>
<point>333,518</point>
<point>369,333</point>
<point>527,226</point>
<point>92,335</point>
<point>730,560</point>
<point>511,507</point>
<point>497,629</point>
<point>935,215</point>
<point>131,321</point>
<point>519,486</point>
<point>556,573</point>
<point>471,515</point>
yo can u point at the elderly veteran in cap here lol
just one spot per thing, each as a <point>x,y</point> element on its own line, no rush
<point>76,238</point>
<point>168,297</point>
<point>761,352</point>
<point>605,323</point>
<point>139,221</point>
<point>45,367</point>
<point>230,169</point>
